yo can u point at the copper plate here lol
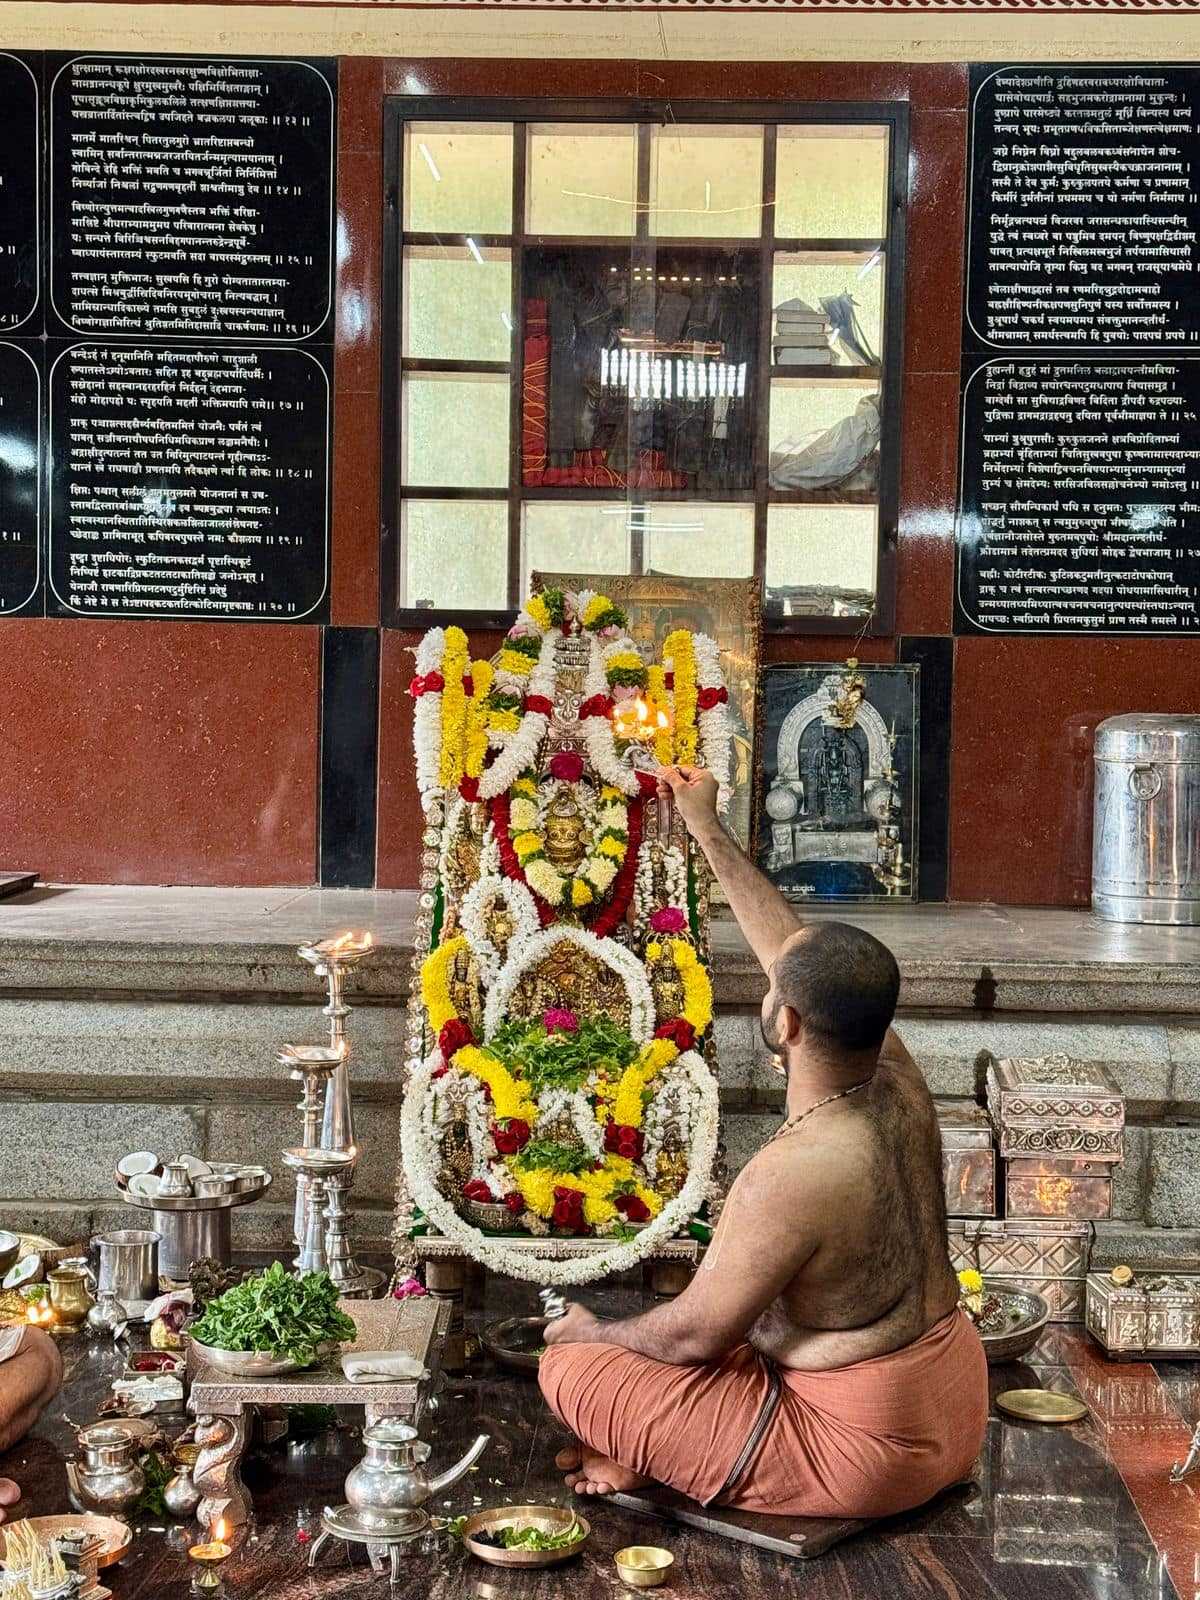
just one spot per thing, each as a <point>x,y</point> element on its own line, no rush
<point>1041,1405</point>
<point>550,1519</point>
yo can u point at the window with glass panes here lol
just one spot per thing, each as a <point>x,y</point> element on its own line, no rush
<point>643,340</point>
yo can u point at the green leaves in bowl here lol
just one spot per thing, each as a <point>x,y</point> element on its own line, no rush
<point>278,1313</point>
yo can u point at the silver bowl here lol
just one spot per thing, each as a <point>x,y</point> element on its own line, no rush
<point>10,1249</point>
<point>1026,1314</point>
<point>252,1363</point>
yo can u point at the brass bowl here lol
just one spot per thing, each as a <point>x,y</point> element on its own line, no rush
<point>643,1566</point>
<point>550,1519</point>
<point>515,1341</point>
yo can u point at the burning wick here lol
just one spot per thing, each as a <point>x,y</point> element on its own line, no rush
<point>208,1558</point>
<point>40,1314</point>
<point>640,720</point>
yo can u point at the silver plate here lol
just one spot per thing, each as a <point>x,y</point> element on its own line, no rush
<point>252,1363</point>
<point>198,1202</point>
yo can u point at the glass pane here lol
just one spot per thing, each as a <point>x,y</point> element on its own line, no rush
<point>824,437</point>
<point>831,183</point>
<point>706,182</point>
<point>821,560</point>
<point>457,307</point>
<point>639,377</point>
<point>455,555</point>
<point>564,536</point>
<point>458,177</point>
<point>582,179</point>
<point>828,301</point>
<point>454,430</point>
<point>694,540</point>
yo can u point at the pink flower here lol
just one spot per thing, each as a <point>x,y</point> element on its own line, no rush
<point>559,1020</point>
<point>610,631</point>
<point>567,766</point>
<point>668,919</point>
<point>625,691</point>
<point>409,1289</point>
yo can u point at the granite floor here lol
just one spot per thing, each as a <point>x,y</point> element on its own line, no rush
<point>1055,1513</point>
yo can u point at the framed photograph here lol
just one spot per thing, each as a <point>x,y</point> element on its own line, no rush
<point>837,817</point>
<point>729,611</point>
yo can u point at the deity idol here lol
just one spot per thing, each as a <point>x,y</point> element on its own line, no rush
<point>559,1082</point>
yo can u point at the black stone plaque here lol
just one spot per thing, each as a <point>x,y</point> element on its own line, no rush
<point>1080,496</point>
<point>189,481</point>
<point>1084,210</point>
<point>20,165</point>
<point>20,455</point>
<point>191,197</point>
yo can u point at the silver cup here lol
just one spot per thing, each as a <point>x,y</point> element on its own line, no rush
<point>128,1264</point>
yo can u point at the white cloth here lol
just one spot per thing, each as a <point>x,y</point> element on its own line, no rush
<point>12,1342</point>
<point>380,1366</point>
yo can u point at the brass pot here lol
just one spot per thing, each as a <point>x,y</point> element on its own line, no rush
<point>69,1298</point>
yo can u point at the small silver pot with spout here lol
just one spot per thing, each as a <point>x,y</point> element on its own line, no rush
<point>108,1479</point>
<point>389,1485</point>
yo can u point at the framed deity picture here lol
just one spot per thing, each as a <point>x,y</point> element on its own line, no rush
<point>837,813</point>
<point>728,610</point>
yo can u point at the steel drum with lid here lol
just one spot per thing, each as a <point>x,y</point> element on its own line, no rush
<point>1146,838</point>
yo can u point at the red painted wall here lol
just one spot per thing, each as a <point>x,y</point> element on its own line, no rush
<point>189,753</point>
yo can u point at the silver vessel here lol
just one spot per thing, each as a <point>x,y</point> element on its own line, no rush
<point>1146,836</point>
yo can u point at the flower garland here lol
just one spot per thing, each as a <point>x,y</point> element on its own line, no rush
<point>455,660</point>
<point>426,689</point>
<point>614,912</point>
<point>519,739</point>
<point>499,1255</point>
<point>712,700</point>
<point>456,1041</point>
<point>473,913</point>
<point>605,853</point>
<point>680,660</point>
<point>595,714</point>
<point>475,740</point>
<point>656,693</point>
<point>614,956</point>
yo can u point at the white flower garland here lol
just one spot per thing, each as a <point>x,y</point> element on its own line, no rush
<point>613,955</point>
<point>713,725</point>
<point>473,914</point>
<point>519,750</point>
<point>427,719</point>
<point>598,731</point>
<point>420,1153</point>
<point>645,899</point>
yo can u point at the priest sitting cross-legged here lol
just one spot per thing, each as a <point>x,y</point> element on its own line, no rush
<point>818,1364</point>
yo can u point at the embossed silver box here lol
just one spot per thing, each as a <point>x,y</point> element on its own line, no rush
<point>1058,1186</point>
<point>1053,1106</point>
<point>1048,1257</point>
<point>1157,1314</point>
<point>968,1159</point>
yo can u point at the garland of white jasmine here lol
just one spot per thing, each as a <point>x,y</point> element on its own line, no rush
<point>477,903</point>
<point>500,1255</point>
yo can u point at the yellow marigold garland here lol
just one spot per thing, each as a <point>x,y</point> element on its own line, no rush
<point>624,1103</point>
<point>679,650</point>
<point>455,660</point>
<point>476,738</point>
<point>509,1097</point>
<point>537,608</point>
<point>435,982</point>
<point>656,693</point>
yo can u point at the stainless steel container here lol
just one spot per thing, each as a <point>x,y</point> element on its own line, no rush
<point>128,1264</point>
<point>1146,835</point>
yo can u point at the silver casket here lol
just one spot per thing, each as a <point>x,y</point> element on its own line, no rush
<point>1048,1257</point>
<point>1146,833</point>
<point>968,1159</point>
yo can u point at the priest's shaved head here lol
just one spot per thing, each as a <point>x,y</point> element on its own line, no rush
<point>840,985</point>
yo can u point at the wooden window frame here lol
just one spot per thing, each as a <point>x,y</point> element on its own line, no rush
<point>641,115</point>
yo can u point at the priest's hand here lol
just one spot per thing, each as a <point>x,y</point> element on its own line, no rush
<point>577,1326</point>
<point>695,792</point>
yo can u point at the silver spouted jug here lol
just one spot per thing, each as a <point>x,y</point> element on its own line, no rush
<point>389,1485</point>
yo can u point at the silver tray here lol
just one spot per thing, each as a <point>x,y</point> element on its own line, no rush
<point>196,1202</point>
<point>1029,1313</point>
<point>253,1363</point>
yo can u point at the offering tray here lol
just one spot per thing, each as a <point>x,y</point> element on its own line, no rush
<point>224,1405</point>
<point>192,1227</point>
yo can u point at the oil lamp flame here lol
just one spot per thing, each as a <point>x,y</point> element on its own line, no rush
<point>639,720</point>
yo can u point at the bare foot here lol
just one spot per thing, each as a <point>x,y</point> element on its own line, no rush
<point>9,1495</point>
<point>597,1474</point>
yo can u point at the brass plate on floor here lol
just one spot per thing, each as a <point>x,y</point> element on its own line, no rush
<point>1041,1405</point>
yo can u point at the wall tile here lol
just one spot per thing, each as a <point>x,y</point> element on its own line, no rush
<point>161,752</point>
<point>359,247</point>
<point>360,103</point>
<point>936,224</point>
<point>349,756</point>
<point>935,657</point>
<point>928,489</point>
<point>1025,711</point>
<point>354,600</point>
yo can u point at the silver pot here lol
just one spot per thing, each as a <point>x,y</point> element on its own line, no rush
<point>128,1264</point>
<point>391,1478</point>
<point>108,1479</point>
<point>180,1494</point>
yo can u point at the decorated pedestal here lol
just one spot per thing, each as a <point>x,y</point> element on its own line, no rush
<point>560,1118</point>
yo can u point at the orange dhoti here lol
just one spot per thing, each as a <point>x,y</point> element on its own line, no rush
<point>867,1440</point>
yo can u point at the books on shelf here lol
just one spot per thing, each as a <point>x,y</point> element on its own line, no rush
<point>802,336</point>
